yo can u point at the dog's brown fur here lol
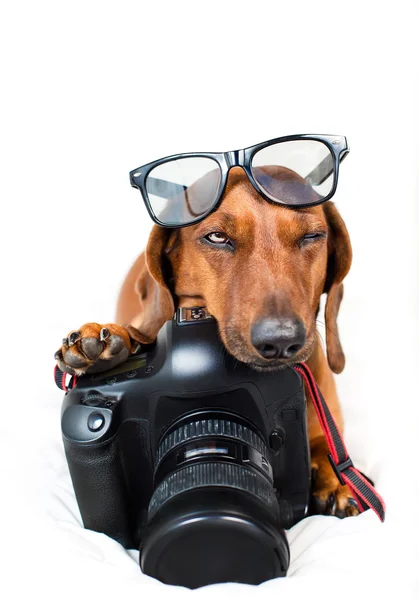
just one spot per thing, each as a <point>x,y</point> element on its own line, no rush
<point>271,271</point>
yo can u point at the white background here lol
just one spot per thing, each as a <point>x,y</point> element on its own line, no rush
<point>91,90</point>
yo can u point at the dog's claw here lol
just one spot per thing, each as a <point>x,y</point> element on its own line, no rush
<point>73,337</point>
<point>330,505</point>
<point>104,334</point>
<point>324,507</point>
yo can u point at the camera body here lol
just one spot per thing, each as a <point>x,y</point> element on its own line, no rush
<point>183,436</point>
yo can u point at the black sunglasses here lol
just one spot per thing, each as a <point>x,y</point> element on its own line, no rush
<point>296,170</point>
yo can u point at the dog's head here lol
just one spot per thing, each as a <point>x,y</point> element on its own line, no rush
<point>260,269</point>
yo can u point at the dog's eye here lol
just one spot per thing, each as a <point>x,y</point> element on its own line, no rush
<point>312,237</point>
<point>217,237</point>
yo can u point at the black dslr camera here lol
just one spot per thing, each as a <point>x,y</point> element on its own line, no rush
<point>192,457</point>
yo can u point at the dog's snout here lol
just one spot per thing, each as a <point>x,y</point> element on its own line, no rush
<point>278,338</point>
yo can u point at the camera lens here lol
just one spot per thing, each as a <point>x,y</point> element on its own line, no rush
<point>214,515</point>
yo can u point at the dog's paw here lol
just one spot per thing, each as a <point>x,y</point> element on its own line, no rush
<point>95,348</point>
<point>329,497</point>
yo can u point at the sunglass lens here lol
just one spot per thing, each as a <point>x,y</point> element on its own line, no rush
<point>295,172</point>
<point>182,191</point>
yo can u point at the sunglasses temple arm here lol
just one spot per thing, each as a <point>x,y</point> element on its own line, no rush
<point>160,187</point>
<point>320,173</point>
<point>325,169</point>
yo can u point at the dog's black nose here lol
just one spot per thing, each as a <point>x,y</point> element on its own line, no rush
<point>278,338</point>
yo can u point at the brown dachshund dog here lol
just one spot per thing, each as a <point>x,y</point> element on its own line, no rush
<point>260,269</point>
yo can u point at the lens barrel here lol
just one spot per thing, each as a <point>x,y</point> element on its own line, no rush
<point>214,515</point>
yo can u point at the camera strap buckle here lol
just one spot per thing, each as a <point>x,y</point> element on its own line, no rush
<point>338,468</point>
<point>361,487</point>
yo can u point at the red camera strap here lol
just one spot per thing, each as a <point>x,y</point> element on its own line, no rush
<point>363,491</point>
<point>61,379</point>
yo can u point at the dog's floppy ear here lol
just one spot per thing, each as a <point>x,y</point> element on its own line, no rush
<point>339,263</point>
<point>156,300</point>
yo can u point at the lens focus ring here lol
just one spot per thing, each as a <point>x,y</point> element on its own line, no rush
<point>213,475</point>
<point>210,428</point>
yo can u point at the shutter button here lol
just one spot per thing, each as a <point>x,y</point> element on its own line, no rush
<point>95,421</point>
